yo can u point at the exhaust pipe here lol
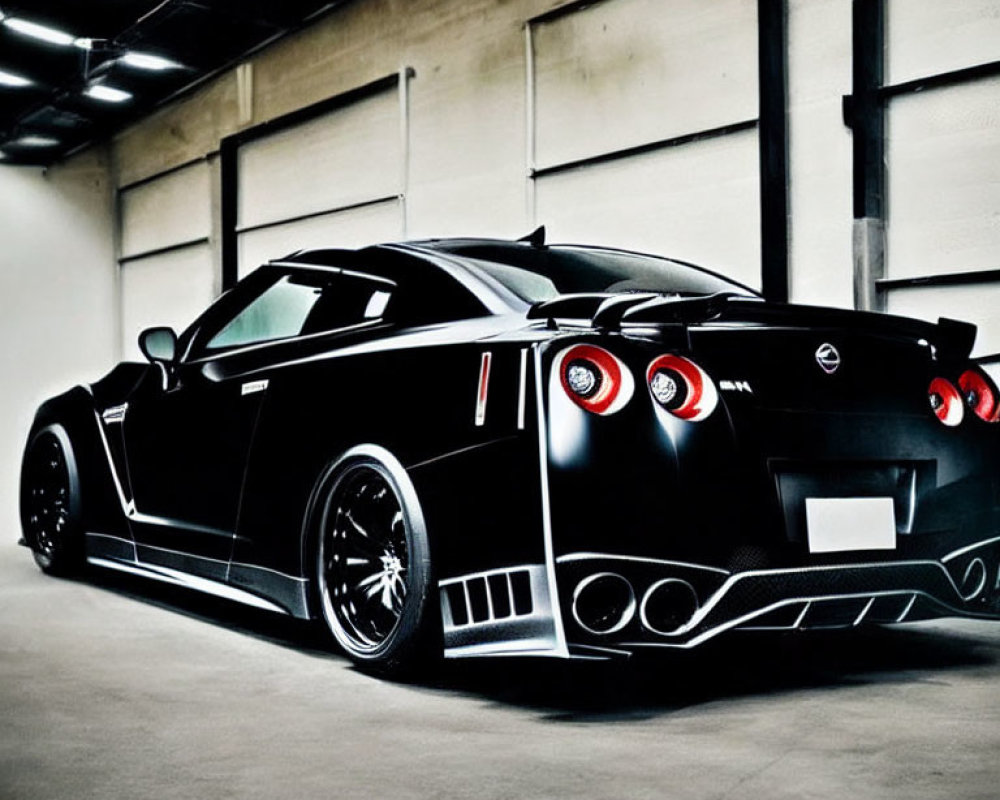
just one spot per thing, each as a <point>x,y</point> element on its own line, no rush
<point>668,605</point>
<point>603,603</point>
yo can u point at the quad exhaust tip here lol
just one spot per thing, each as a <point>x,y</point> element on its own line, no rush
<point>668,606</point>
<point>603,603</point>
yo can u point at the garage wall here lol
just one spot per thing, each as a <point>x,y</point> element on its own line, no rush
<point>642,115</point>
<point>465,151</point>
<point>57,311</point>
<point>942,165</point>
<point>506,97</point>
<point>168,270</point>
<point>819,152</point>
<point>353,193</point>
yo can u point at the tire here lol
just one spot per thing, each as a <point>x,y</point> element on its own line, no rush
<point>373,564</point>
<point>51,517</point>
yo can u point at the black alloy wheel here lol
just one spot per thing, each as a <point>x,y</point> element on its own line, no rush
<point>50,502</point>
<point>373,567</point>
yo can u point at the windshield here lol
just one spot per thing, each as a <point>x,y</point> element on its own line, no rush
<point>538,274</point>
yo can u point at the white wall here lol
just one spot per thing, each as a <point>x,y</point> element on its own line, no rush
<point>57,308</point>
<point>819,153</point>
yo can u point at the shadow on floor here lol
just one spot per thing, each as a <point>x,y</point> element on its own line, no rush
<point>731,667</point>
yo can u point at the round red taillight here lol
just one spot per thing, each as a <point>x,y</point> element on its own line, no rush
<point>594,379</point>
<point>946,402</point>
<point>681,387</point>
<point>979,395</point>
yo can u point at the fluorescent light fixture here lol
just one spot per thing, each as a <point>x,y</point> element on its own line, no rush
<point>84,44</point>
<point>40,32</point>
<point>10,79</point>
<point>108,94</point>
<point>148,61</point>
<point>36,141</point>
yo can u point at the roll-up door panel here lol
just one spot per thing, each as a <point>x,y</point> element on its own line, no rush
<point>698,202</point>
<point>166,289</point>
<point>347,156</point>
<point>944,180</point>
<point>355,227</point>
<point>974,303</point>
<point>167,211</point>
<point>927,37</point>
<point>628,72</point>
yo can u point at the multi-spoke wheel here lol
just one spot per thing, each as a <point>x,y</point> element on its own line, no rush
<point>50,502</point>
<point>373,563</point>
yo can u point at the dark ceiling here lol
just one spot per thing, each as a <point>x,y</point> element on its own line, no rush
<point>48,113</point>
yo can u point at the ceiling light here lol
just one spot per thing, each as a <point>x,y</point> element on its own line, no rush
<point>10,79</point>
<point>36,141</point>
<point>148,61</point>
<point>84,44</point>
<point>108,94</point>
<point>40,32</point>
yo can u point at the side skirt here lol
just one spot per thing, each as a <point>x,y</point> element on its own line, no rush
<point>265,588</point>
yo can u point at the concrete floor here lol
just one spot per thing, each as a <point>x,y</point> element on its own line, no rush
<point>113,688</point>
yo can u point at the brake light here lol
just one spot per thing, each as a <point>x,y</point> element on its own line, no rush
<point>594,379</point>
<point>681,387</point>
<point>946,402</point>
<point>979,395</point>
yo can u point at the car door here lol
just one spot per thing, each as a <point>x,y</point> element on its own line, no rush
<point>188,433</point>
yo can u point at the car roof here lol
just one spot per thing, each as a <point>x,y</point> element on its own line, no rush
<point>449,253</point>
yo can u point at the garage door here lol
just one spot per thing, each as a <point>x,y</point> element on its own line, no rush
<point>167,269</point>
<point>642,129</point>
<point>335,180</point>
<point>942,169</point>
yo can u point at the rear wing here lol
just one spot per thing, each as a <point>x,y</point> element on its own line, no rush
<point>952,339</point>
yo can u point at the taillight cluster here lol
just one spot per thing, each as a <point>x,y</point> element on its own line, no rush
<point>974,390</point>
<point>979,395</point>
<point>681,387</point>
<point>599,382</point>
<point>595,379</point>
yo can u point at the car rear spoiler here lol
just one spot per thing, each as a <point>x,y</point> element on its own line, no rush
<point>952,339</point>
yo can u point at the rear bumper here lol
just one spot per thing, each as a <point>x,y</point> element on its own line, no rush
<point>965,583</point>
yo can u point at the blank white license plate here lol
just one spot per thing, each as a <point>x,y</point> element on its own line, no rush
<point>835,524</point>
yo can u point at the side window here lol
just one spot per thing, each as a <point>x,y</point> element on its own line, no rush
<point>279,312</point>
<point>299,304</point>
<point>349,300</point>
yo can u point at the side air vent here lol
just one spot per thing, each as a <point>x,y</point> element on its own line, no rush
<point>489,597</point>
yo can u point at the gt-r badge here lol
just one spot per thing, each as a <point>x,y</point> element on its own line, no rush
<point>735,386</point>
<point>254,386</point>
<point>828,358</point>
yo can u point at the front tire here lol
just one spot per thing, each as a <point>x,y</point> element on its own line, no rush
<point>373,564</point>
<point>50,502</point>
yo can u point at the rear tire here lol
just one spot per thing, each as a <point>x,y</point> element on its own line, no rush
<point>373,564</point>
<point>50,502</point>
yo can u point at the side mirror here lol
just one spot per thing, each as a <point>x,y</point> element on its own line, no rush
<point>159,345</point>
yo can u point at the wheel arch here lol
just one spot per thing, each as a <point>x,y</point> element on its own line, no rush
<point>308,540</point>
<point>74,415</point>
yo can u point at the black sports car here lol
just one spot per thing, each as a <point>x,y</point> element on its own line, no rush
<point>500,447</point>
